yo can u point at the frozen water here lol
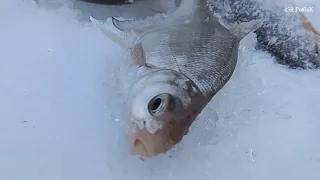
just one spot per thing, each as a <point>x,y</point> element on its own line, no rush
<point>63,116</point>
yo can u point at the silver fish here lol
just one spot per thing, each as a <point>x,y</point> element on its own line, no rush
<point>289,36</point>
<point>186,57</point>
<point>286,34</point>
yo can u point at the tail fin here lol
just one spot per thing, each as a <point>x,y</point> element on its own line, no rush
<point>243,29</point>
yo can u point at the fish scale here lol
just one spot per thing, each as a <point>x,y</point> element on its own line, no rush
<point>203,57</point>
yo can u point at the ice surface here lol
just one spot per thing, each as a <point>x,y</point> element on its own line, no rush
<point>63,116</point>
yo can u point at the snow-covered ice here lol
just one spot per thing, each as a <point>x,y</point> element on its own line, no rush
<point>63,117</point>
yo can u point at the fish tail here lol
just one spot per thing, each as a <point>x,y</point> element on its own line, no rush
<point>244,28</point>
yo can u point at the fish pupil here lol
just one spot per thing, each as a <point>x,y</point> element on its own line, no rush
<point>156,104</point>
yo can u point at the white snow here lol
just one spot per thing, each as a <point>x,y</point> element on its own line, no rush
<point>63,116</point>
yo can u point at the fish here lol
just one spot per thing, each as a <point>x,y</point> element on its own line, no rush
<point>184,59</point>
<point>288,36</point>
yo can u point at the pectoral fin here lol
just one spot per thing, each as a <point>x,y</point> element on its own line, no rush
<point>138,56</point>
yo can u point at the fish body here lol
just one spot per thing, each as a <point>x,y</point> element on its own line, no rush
<point>289,36</point>
<point>185,58</point>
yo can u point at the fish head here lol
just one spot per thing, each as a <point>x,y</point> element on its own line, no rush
<point>163,104</point>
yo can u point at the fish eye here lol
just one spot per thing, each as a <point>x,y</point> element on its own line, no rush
<point>156,104</point>
<point>159,104</point>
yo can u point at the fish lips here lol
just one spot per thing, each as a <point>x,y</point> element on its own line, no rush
<point>146,144</point>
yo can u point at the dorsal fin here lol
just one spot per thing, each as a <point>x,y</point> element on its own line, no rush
<point>114,36</point>
<point>138,25</point>
<point>185,10</point>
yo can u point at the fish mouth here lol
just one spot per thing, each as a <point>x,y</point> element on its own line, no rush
<point>146,144</point>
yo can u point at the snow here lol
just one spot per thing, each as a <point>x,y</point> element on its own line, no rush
<point>63,116</point>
